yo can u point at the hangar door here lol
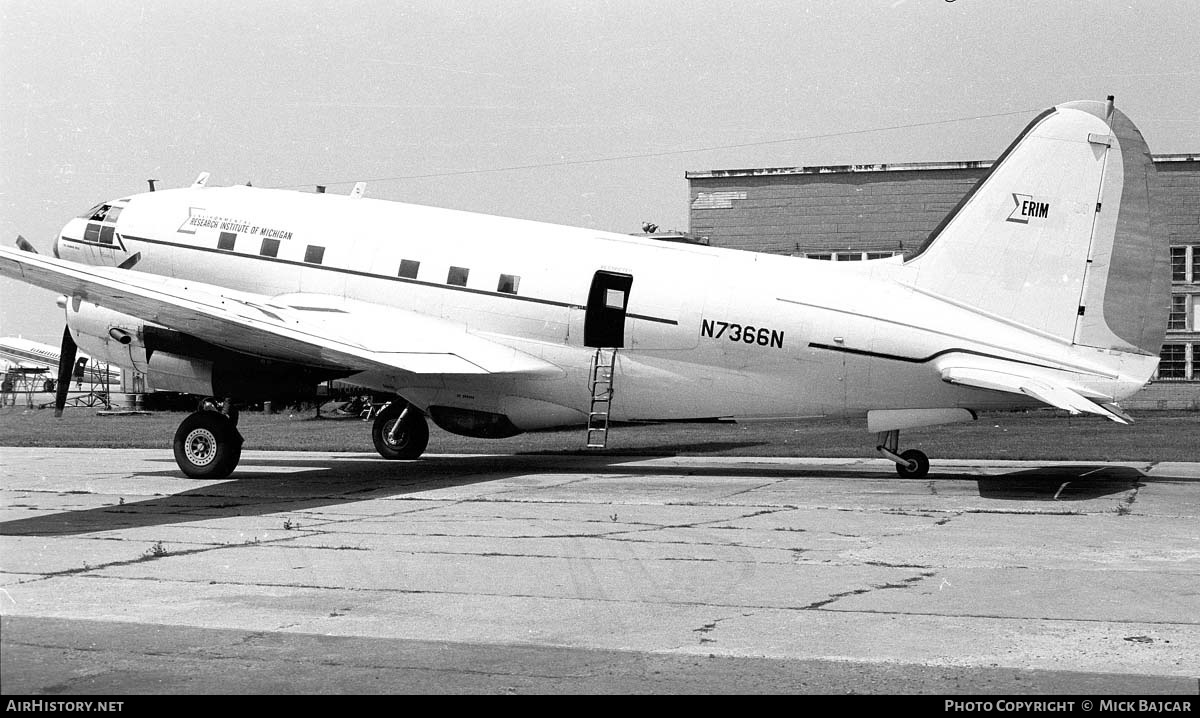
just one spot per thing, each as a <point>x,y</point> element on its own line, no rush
<point>604,323</point>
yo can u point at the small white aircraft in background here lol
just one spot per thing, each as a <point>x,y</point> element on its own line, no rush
<point>21,353</point>
<point>1045,286</point>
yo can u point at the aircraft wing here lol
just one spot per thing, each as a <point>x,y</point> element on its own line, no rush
<point>312,329</point>
<point>1017,378</point>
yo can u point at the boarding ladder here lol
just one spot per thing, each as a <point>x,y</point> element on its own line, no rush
<point>601,384</point>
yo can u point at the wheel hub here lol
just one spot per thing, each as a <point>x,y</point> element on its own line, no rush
<point>200,447</point>
<point>395,434</point>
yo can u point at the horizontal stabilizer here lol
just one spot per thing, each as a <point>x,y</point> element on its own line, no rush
<point>1047,392</point>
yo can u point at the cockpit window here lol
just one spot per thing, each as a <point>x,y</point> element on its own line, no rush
<point>98,213</point>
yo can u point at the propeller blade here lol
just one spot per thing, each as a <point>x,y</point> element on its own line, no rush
<point>66,365</point>
<point>24,245</point>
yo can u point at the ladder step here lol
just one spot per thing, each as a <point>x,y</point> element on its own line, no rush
<point>600,385</point>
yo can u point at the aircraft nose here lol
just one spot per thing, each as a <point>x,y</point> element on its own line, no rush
<point>72,231</point>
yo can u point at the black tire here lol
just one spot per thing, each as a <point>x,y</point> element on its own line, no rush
<point>917,467</point>
<point>412,436</point>
<point>207,446</point>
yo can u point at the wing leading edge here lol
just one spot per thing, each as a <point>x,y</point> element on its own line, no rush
<point>319,330</point>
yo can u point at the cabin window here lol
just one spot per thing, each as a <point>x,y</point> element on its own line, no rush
<point>226,241</point>
<point>408,268</point>
<point>270,247</point>
<point>113,214</point>
<point>508,284</point>
<point>92,232</point>
<point>458,276</point>
<point>106,234</point>
<point>314,254</point>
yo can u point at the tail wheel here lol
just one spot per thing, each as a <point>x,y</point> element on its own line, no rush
<point>917,465</point>
<point>400,432</point>
<point>207,446</point>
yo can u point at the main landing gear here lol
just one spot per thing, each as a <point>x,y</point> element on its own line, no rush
<point>207,443</point>
<point>910,464</point>
<point>400,431</point>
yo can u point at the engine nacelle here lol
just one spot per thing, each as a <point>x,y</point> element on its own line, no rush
<point>174,361</point>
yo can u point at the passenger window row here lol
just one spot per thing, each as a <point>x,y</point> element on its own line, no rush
<point>457,276</point>
<point>314,254</point>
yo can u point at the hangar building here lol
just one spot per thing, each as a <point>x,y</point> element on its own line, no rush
<point>857,212</point>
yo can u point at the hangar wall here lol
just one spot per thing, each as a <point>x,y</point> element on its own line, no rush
<point>857,212</point>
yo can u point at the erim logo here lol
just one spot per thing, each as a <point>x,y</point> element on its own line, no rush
<point>1028,208</point>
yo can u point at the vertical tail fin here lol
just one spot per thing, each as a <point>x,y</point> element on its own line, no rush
<point>1058,237</point>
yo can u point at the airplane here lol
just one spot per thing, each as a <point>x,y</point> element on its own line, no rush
<point>21,353</point>
<point>1046,286</point>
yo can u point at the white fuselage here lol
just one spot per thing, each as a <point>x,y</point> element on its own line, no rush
<point>708,332</point>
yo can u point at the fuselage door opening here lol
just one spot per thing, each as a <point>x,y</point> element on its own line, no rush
<point>608,299</point>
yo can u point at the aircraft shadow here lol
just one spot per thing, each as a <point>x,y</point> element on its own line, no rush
<point>1062,483</point>
<point>259,488</point>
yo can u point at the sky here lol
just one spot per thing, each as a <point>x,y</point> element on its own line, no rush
<point>579,113</point>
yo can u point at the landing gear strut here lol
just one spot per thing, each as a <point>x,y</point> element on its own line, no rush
<point>400,431</point>
<point>910,464</point>
<point>207,444</point>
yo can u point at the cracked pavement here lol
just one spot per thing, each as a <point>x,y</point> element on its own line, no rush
<point>1047,566</point>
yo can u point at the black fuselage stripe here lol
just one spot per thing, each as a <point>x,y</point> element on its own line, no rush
<point>372,275</point>
<point>923,360</point>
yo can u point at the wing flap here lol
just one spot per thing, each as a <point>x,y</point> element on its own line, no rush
<point>312,329</point>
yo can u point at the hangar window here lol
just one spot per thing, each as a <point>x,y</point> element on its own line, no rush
<point>226,241</point>
<point>270,247</point>
<point>458,276</point>
<point>1177,319</point>
<point>409,268</point>
<point>849,256</point>
<point>1179,264</point>
<point>1173,361</point>
<point>508,284</point>
<point>1195,263</point>
<point>819,255</point>
<point>880,255</point>
<point>314,254</point>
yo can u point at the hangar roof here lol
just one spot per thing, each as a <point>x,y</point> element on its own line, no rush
<point>893,167</point>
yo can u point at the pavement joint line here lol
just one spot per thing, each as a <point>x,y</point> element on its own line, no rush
<point>147,557</point>
<point>815,607</point>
